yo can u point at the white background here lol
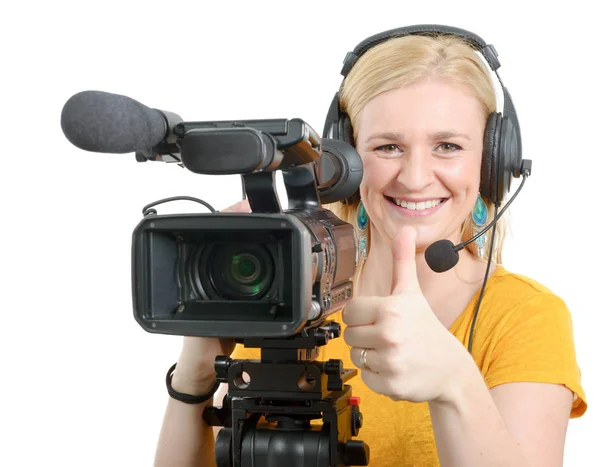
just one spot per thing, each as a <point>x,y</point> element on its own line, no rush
<point>82,383</point>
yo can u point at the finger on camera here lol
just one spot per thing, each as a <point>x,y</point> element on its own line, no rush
<point>240,206</point>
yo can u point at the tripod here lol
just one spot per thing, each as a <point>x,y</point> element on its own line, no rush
<point>268,409</point>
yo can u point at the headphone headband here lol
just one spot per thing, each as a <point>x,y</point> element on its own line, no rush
<point>487,50</point>
<point>501,159</point>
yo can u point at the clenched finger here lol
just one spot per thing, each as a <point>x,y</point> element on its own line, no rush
<point>372,360</point>
<point>366,337</point>
<point>361,311</point>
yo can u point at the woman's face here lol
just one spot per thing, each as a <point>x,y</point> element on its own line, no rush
<point>421,148</point>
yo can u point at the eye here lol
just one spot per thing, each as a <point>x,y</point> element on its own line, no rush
<point>448,147</point>
<point>390,149</point>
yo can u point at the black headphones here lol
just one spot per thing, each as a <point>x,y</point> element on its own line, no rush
<point>502,158</point>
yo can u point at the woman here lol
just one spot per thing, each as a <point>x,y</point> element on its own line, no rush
<point>431,393</point>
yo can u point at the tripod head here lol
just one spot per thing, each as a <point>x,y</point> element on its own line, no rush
<point>270,404</point>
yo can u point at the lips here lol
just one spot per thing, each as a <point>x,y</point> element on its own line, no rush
<point>417,207</point>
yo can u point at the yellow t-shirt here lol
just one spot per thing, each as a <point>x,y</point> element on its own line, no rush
<point>523,333</point>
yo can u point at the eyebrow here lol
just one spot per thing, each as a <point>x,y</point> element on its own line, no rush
<point>450,134</point>
<point>393,136</point>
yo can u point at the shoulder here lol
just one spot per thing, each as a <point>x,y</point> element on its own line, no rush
<point>514,304</point>
<point>526,334</point>
<point>511,293</point>
<point>516,309</point>
<point>518,315</point>
<point>524,286</point>
<point>523,320</point>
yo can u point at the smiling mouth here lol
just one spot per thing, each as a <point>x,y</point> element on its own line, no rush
<point>417,206</point>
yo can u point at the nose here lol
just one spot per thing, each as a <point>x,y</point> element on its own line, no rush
<point>416,172</point>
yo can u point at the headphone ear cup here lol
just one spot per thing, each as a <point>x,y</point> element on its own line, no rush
<point>332,120</point>
<point>346,131</point>
<point>510,160</point>
<point>337,123</point>
<point>346,134</point>
<point>488,184</point>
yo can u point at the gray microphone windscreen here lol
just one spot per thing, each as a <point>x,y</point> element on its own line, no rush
<point>440,256</point>
<point>98,121</point>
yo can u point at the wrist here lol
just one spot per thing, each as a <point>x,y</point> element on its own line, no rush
<point>463,381</point>
<point>194,382</point>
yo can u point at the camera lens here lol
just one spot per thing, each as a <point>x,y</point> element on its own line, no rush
<point>245,268</point>
<point>241,271</point>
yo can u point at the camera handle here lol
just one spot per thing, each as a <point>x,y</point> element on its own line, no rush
<point>300,185</point>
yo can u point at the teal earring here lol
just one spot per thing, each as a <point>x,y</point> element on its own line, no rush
<point>362,222</point>
<point>479,215</point>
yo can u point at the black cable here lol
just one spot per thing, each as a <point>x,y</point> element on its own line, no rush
<point>485,278</point>
<point>147,209</point>
<point>525,173</point>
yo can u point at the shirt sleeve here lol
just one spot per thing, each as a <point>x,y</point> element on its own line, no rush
<point>242,353</point>
<point>535,343</point>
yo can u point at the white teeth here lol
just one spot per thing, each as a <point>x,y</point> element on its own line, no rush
<point>418,206</point>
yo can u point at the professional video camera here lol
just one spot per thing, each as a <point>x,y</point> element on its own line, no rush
<point>268,279</point>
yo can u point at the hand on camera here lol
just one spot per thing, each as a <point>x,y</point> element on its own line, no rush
<point>195,372</point>
<point>411,355</point>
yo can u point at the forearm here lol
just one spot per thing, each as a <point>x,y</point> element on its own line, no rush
<point>185,439</point>
<point>469,430</point>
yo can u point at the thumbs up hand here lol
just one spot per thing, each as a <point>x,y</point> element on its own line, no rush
<point>402,349</point>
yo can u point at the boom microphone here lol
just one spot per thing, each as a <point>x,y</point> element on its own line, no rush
<point>442,255</point>
<point>98,121</point>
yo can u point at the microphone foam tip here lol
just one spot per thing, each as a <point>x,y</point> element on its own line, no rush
<point>440,256</point>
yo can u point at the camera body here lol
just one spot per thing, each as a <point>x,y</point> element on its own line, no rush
<point>268,279</point>
<point>267,274</point>
<point>241,275</point>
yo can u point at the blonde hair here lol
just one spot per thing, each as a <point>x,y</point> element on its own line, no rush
<point>402,61</point>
